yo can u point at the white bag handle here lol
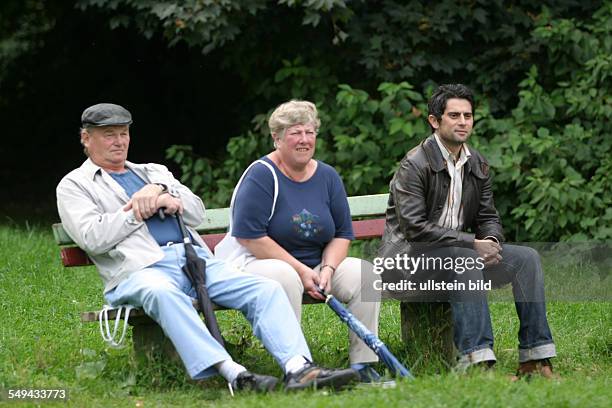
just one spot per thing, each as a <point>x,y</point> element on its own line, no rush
<point>111,339</point>
<point>229,248</point>
<point>269,166</point>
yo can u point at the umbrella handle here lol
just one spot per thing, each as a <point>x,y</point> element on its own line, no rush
<point>325,295</point>
<point>181,223</point>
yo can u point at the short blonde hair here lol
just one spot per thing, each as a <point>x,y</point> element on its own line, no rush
<point>293,113</point>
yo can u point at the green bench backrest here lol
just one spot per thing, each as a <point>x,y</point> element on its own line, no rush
<point>217,219</point>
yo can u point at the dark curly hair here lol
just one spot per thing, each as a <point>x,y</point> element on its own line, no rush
<point>437,102</point>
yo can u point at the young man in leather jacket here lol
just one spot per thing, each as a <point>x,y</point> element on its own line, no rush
<point>441,210</point>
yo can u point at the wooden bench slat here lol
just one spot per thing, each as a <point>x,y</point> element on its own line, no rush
<point>360,206</point>
<point>216,219</point>
<point>363,229</point>
<point>211,240</point>
<point>94,315</point>
<point>74,256</point>
<point>60,235</point>
<point>368,205</point>
<point>367,229</point>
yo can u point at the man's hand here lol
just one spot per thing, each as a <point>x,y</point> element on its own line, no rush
<point>144,202</point>
<point>310,280</point>
<point>488,250</point>
<point>170,204</point>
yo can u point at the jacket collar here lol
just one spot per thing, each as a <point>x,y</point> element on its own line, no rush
<point>434,155</point>
<point>435,158</point>
<point>91,169</point>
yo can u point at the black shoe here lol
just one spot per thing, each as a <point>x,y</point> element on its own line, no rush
<point>369,376</point>
<point>248,381</point>
<point>312,376</point>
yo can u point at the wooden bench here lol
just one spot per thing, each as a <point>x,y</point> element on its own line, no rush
<point>422,322</point>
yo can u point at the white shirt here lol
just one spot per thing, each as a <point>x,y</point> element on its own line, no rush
<point>452,212</point>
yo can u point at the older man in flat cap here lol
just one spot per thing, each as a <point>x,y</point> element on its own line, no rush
<point>109,207</point>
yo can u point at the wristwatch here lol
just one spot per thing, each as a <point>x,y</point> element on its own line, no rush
<point>170,190</point>
<point>164,188</point>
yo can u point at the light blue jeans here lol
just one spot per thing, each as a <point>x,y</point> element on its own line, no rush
<point>164,293</point>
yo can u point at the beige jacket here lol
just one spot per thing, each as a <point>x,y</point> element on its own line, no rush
<point>90,204</point>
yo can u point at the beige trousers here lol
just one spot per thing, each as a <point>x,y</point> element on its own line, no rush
<point>347,283</point>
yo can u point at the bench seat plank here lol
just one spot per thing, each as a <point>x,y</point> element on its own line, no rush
<point>74,256</point>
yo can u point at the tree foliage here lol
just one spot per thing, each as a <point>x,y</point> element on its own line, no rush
<point>21,26</point>
<point>486,44</point>
<point>540,70</point>
<point>550,154</point>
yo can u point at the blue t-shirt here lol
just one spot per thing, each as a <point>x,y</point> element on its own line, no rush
<point>164,231</point>
<point>307,216</point>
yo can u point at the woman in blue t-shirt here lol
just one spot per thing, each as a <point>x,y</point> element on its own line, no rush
<point>301,238</point>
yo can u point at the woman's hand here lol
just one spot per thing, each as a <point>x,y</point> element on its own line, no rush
<point>310,280</point>
<point>325,277</point>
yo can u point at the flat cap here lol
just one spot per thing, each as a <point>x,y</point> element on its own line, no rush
<point>106,114</point>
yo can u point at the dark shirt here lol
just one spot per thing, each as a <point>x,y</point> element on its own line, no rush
<point>163,231</point>
<point>308,215</point>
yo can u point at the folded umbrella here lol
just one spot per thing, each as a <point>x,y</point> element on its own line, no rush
<point>369,338</point>
<point>195,269</point>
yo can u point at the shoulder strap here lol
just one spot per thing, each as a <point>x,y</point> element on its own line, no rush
<point>269,166</point>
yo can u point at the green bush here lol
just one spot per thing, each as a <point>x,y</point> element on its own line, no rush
<point>550,154</point>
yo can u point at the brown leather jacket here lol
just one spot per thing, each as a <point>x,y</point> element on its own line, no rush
<point>417,194</point>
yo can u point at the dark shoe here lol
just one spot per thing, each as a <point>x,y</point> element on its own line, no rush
<point>369,376</point>
<point>528,369</point>
<point>312,376</point>
<point>248,381</point>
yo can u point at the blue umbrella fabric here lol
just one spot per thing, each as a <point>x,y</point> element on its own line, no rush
<point>369,338</point>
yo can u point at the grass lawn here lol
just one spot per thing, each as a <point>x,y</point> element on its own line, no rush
<point>43,344</point>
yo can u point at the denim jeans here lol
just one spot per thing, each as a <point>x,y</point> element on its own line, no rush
<point>165,294</point>
<point>473,333</point>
